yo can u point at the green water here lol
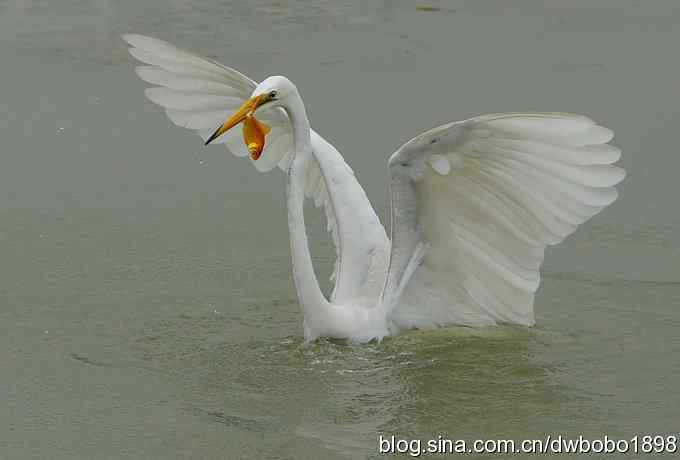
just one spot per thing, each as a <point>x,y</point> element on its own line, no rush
<point>146,305</point>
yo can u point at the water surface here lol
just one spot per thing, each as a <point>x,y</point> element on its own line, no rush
<point>147,305</point>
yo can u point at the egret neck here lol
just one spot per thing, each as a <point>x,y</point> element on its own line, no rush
<point>312,301</point>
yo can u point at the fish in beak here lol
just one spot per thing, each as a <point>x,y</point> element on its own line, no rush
<point>254,131</point>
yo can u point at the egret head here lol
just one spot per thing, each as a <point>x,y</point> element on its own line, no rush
<point>278,88</point>
<point>272,92</point>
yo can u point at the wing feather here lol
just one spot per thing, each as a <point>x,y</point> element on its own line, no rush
<point>161,77</point>
<point>515,183</point>
<point>200,94</point>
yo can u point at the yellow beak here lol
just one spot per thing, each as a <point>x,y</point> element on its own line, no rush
<point>246,109</point>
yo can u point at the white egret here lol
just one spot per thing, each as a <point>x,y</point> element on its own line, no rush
<point>473,203</point>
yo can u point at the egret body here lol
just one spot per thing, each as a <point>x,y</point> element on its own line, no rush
<point>473,203</point>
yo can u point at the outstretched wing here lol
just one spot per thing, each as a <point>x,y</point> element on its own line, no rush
<point>475,203</point>
<point>200,94</point>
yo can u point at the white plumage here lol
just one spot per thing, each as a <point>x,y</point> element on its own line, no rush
<point>515,183</point>
<point>473,203</point>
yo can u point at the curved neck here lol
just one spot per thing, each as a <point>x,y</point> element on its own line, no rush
<point>295,109</point>
<point>310,296</point>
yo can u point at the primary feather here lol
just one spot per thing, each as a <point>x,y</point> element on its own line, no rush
<point>473,203</point>
<point>200,95</point>
<point>514,184</point>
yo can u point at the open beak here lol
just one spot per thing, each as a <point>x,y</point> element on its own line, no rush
<point>246,109</point>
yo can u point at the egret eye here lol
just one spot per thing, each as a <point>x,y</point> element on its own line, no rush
<point>272,95</point>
